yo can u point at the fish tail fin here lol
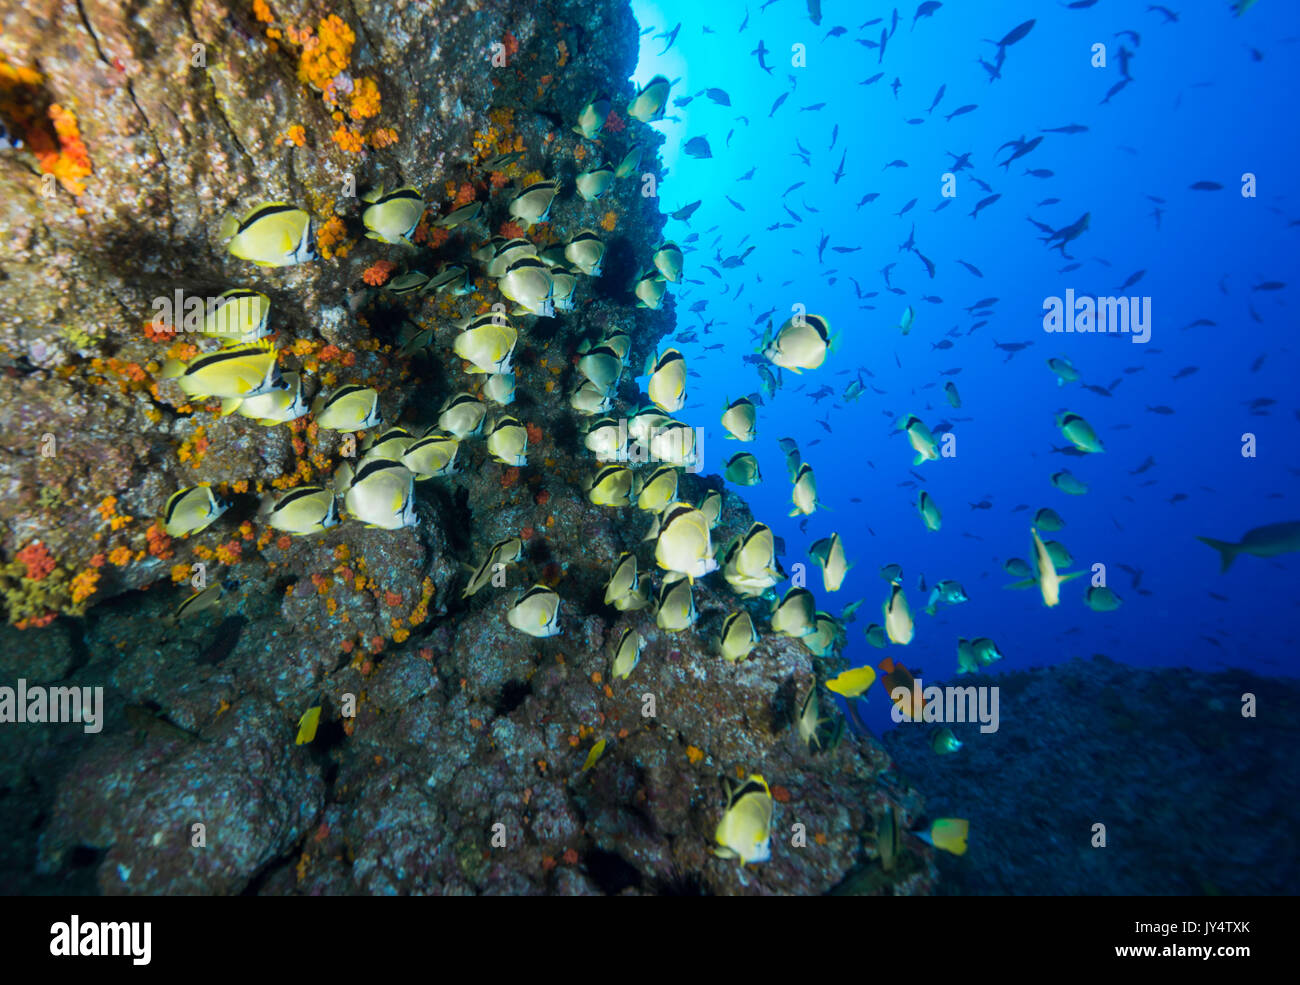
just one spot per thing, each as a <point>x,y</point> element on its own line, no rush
<point>929,610</point>
<point>229,405</point>
<point>265,505</point>
<point>1019,585</point>
<point>1062,579</point>
<point>229,226</point>
<point>1227,552</point>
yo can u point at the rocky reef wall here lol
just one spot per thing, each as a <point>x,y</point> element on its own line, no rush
<point>450,754</point>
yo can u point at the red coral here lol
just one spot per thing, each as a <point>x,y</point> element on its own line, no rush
<point>464,194</point>
<point>159,542</point>
<point>378,272</point>
<point>39,561</point>
<point>614,123</point>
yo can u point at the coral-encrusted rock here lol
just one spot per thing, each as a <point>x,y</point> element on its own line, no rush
<point>253,791</point>
<point>451,749</point>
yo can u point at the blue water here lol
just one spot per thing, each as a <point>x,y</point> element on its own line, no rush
<point>1211,99</point>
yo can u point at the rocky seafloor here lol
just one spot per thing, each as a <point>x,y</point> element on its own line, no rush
<point>461,769</point>
<point>1196,798</point>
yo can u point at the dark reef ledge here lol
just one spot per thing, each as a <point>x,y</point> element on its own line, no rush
<point>1196,799</point>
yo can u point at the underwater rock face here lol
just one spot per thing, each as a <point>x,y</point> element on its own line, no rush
<point>245,783</point>
<point>1164,758</point>
<point>460,771</point>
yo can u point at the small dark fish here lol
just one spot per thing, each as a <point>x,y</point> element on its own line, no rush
<point>926,9</point>
<point>971,267</point>
<point>962,111</point>
<point>906,209</point>
<point>1160,409</point>
<point>894,164</point>
<point>1133,279</point>
<point>1070,128</point>
<point>1017,33</point>
<point>777,105</point>
<point>698,147</point>
<point>1270,285</point>
<point>1206,186</point>
<point>718,96</point>
<point>1115,91</point>
<point>984,203</point>
<point>685,212</point>
<point>671,36</point>
<point>1184,372</point>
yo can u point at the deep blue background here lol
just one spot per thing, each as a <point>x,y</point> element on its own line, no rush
<point>1201,107</point>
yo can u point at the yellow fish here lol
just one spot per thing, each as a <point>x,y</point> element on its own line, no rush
<point>852,683</point>
<point>307,726</point>
<point>593,756</point>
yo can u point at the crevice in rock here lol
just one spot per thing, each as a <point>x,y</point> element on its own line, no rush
<point>513,694</point>
<point>611,872</point>
<point>148,126</point>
